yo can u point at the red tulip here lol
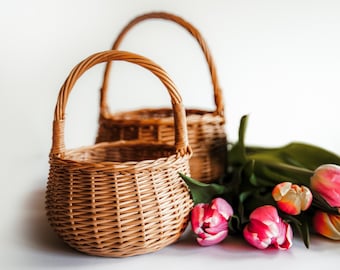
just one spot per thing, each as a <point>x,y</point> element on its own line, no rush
<point>210,221</point>
<point>291,198</point>
<point>267,229</point>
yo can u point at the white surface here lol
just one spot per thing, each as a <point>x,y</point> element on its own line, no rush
<point>278,61</point>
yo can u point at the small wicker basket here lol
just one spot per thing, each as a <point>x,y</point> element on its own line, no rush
<point>206,129</point>
<point>120,198</point>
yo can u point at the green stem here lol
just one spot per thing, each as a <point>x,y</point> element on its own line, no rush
<point>276,172</point>
<point>290,168</point>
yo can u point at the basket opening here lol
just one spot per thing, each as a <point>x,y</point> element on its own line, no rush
<point>154,114</point>
<point>120,152</point>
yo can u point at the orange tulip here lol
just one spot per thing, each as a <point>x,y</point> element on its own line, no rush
<point>291,198</point>
<point>327,225</point>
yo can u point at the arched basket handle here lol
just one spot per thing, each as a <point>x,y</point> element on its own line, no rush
<point>180,125</point>
<point>218,96</point>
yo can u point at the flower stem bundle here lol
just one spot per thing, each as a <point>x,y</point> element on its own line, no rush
<point>259,177</point>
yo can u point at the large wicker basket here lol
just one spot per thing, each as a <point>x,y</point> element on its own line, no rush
<point>120,198</point>
<point>206,129</point>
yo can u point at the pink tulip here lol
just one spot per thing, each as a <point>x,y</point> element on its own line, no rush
<point>327,225</point>
<point>326,181</point>
<point>291,198</point>
<point>210,221</point>
<point>267,229</point>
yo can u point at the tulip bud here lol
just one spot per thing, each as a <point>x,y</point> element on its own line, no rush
<point>327,225</point>
<point>291,198</point>
<point>267,229</point>
<point>210,221</point>
<point>326,181</point>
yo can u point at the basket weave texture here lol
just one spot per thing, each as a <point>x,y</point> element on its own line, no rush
<point>121,198</point>
<point>206,129</point>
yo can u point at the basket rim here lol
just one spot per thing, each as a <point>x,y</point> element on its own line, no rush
<point>187,110</point>
<point>119,164</point>
<point>133,117</point>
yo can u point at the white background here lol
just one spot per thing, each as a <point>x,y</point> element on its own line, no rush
<point>278,61</point>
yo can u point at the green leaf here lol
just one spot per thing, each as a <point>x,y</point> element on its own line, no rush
<point>244,195</point>
<point>276,173</point>
<point>202,192</point>
<point>296,154</point>
<point>309,156</point>
<point>302,227</point>
<point>305,233</point>
<point>234,224</point>
<point>242,130</point>
<point>320,203</point>
<point>241,211</point>
<point>237,154</point>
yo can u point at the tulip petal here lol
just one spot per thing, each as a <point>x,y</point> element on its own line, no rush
<point>291,198</point>
<point>306,198</point>
<point>289,237</point>
<point>266,229</point>
<point>327,225</point>
<point>266,212</point>
<point>254,239</point>
<point>280,190</point>
<point>212,239</point>
<point>290,204</point>
<point>263,228</point>
<point>285,237</point>
<point>216,225</point>
<point>223,207</point>
<point>197,218</point>
<point>209,222</point>
<point>326,181</point>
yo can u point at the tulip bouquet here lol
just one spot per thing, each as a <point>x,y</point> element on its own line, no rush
<point>268,195</point>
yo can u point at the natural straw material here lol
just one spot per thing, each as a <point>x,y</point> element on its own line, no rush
<point>120,198</point>
<point>207,135</point>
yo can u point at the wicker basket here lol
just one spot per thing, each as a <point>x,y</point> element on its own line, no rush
<point>206,129</point>
<point>120,198</point>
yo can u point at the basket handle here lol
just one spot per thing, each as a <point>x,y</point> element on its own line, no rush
<point>180,130</point>
<point>218,97</point>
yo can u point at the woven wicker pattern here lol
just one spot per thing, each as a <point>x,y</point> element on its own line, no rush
<point>206,129</point>
<point>122,198</point>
